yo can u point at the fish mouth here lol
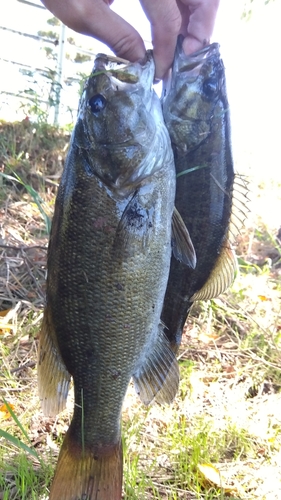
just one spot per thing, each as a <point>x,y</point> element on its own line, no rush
<point>123,70</point>
<point>206,50</point>
<point>192,62</point>
<point>190,65</point>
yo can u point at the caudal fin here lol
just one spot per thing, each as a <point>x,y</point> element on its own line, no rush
<point>89,474</point>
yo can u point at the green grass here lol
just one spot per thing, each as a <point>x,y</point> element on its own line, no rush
<point>23,473</point>
<point>20,478</point>
<point>209,422</point>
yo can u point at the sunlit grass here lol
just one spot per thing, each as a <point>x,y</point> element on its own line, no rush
<point>209,422</point>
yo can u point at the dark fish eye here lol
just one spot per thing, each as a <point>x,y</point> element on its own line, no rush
<point>210,87</point>
<point>97,103</point>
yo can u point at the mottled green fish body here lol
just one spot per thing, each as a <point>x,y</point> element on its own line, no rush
<point>196,112</point>
<point>108,264</point>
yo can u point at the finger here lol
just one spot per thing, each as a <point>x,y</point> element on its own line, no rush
<point>202,15</point>
<point>96,19</point>
<point>165,19</point>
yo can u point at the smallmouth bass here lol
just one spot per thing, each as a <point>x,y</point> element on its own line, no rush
<point>108,264</point>
<point>209,197</point>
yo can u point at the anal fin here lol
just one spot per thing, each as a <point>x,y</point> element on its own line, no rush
<point>53,377</point>
<point>222,275</point>
<point>182,245</point>
<point>157,380</point>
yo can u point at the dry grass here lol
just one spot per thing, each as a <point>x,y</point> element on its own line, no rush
<point>227,411</point>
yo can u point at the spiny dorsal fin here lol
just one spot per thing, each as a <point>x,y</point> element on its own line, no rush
<point>221,277</point>
<point>53,377</point>
<point>182,245</point>
<point>157,380</point>
<point>239,210</point>
<point>226,267</point>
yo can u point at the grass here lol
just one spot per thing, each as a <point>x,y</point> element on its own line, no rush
<point>221,438</point>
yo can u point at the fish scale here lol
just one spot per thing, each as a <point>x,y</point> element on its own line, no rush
<point>196,112</point>
<point>108,264</point>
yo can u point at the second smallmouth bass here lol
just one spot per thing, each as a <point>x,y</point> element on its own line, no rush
<point>209,197</point>
<point>108,264</point>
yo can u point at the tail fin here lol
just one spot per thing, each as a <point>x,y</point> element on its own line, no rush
<point>89,474</point>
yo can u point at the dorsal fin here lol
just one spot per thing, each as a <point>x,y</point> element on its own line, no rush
<point>221,277</point>
<point>226,267</point>
<point>240,209</point>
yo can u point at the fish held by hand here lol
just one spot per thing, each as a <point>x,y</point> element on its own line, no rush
<point>108,265</point>
<point>210,197</point>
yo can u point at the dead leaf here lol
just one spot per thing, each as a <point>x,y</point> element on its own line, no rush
<point>9,316</point>
<point>4,327</point>
<point>5,312</point>
<point>4,412</point>
<point>263,298</point>
<point>213,476</point>
<point>208,337</point>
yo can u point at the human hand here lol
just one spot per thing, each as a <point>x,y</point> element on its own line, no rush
<point>194,19</point>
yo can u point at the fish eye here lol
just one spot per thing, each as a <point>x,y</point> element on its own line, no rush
<point>210,87</point>
<point>97,103</point>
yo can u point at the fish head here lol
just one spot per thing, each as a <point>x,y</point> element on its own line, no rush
<point>191,94</point>
<point>115,125</point>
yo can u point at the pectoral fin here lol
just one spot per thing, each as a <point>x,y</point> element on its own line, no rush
<point>182,245</point>
<point>221,277</point>
<point>53,377</point>
<point>158,377</point>
<point>135,227</point>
